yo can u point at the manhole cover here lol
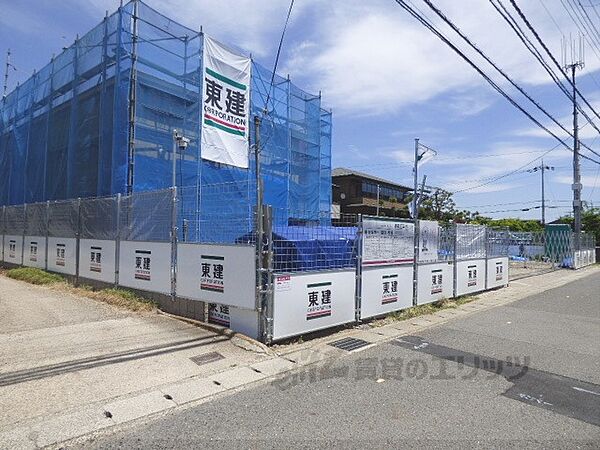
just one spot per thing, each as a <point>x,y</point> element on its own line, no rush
<point>206,358</point>
<point>349,344</point>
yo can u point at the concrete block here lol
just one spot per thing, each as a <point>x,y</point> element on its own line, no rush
<point>310,356</point>
<point>69,426</point>
<point>190,391</point>
<point>237,377</point>
<point>139,406</point>
<point>274,366</point>
<point>386,330</point>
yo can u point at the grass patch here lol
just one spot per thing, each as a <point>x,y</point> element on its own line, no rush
<point>421,310</point>
<point>121,298</point>
<point>33,275</point>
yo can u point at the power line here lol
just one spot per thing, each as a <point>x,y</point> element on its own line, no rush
<point>500,177</point>
<point>447,158</point>
<point>287,20</point>
<point>444,39</point>
<point>498,69</point>
<point>541,42</point>
<point>522,209</point>
<point>510,20</point>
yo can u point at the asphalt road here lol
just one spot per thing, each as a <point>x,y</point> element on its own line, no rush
<point>526,374</point>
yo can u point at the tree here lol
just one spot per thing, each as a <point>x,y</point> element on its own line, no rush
<point>438,205</point>
<point>590,222</point>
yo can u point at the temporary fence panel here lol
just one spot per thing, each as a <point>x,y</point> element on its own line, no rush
<point>97,259</point>
<point>435,282</point>
<point>470,276</point>
<point>241,320</point>
<point>470,242</point>
<point>13,249</point>
<point>34,252</point>
<point>386,242</point>
<point>145,266</point>
<point>387,254</point>
<point>429,241</point>
<point>306,302</point>
<point>61,255</point>
<point>385,289</point>
<point>497,272</point>
<point>223,274</point>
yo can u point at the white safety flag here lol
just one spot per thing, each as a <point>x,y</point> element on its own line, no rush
<point>225,105</point>
<point>427,154</point>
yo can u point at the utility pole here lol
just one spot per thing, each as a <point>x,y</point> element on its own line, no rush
<point>378,189</point>
<point>576,63</point>
<point>416,223</point>
<point>543,167</point>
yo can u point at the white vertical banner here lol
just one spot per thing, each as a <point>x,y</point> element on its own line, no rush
<point>428,240</point>
<point>225,105</point>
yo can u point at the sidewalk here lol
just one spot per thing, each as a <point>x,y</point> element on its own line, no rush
<point>90,381</point>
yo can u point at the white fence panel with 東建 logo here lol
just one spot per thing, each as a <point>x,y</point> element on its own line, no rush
<point>61,255</point>
<point>34,254</point>
<point>97,259</point>
<point>306,302</point>
<point>497,272</point>
<point>435,282</point>
<point>470,276</point>
<point>223,274</point>
<point>145,266</point>
<point>13,249</point>
<point>385,289</point>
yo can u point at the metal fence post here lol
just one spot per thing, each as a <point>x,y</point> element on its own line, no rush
<point>359,256</point>
<point>173,243</point>
<point>487,255</point>
<point>3,223</point>
<point>416,262</point>
<point>267,290</point>
<point>47,234</point>
<point>24,230</point>
<point>455,259</point>
<point>77,241</point>
<point>118,240</point>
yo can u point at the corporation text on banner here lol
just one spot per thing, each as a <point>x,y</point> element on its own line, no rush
<point>225,105</point>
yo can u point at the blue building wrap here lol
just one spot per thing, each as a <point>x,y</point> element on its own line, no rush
<point>67,132</point>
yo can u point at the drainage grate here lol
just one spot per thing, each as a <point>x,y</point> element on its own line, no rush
<point>206,358</point>
<point>349,344</point>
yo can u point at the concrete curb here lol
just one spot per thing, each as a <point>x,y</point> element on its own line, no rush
<point>238,339</point>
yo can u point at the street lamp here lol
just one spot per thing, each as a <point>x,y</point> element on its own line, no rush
<point>181,142</point>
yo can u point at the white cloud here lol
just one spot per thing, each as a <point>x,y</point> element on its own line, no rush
<point>373,58</point>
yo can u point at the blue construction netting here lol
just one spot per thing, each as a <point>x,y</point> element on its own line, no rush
<point>65,132</point>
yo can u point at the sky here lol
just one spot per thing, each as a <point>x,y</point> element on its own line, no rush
<point>388,80</point>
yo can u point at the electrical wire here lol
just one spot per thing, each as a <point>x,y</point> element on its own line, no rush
<point>498,69</point>
<point>444,39</point>
<point>506,15</point>
<point>541,42</point>
<point>287,20</point>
